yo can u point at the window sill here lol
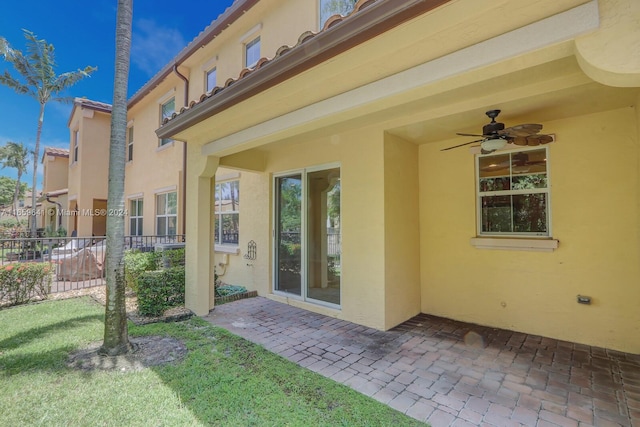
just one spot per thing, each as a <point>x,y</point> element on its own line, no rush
<point>522,244</point>
<point>165,146</point>
<point>227,249</point>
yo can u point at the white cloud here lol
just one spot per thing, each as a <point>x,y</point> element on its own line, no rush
<point>153,46</point>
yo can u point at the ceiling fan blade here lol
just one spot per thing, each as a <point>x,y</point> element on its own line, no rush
<point>541,139</point>
<point>462,145</point>
<point>470,134</point>
<point>520,140</point>
<point>521,130</point>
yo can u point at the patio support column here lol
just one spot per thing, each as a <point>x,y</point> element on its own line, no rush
<point>199,296</point>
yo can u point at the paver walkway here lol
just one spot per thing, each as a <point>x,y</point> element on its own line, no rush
<point>451,373</point>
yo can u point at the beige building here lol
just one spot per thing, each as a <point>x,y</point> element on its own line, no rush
<point>89,130</point>
<point>314,151</point>
<point>54,199</point>
<point>339,130</point>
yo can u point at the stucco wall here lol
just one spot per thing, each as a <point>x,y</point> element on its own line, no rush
<point>88,177</point>
<point>361,157</point>
<point>401,231</point>
<point>594,209</point>
<point>154,169</point>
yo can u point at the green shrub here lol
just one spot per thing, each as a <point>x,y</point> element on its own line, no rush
<point>23,282</point>
<point>136,263</point>
<point>227,290</point>
<point>160,290</point>
<point>171,258</point>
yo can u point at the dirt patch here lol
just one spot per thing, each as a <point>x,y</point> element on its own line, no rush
<point>98,293</point>
<point>147,351</point>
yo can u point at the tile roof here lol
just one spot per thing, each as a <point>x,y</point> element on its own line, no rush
<point>92,105</point>
<point>228,17</point>
<point>55,151</point>
<point>304,37</point>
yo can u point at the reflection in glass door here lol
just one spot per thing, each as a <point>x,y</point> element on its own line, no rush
<point>288,234</point>
<point>323,235</point>
<point>307,235</point>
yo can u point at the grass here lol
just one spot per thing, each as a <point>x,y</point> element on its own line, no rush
<point>225,380</point>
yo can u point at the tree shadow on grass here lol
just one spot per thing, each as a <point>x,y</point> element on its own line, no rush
<point>33,334</point>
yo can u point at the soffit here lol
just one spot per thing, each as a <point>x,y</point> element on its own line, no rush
<point>423,39</point>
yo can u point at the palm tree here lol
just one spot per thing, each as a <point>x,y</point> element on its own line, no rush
<point>15,155</point>
<point>38,80</point>
<point>116,339</point>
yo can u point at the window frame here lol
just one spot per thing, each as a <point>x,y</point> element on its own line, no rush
<point>166,216</point>
<point>206,79</point>
<point>248,45</point>
<point>511,192</point>
<point>130,137</point>
<point>76,145</point>
<point>217,216</point>
<point>165,141</point>
<point>322,20</point>
<point>139,217</point>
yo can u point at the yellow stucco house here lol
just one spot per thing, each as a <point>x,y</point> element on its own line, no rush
<point>89,132</point>
<point>351,208</point>
<point>54,199</point>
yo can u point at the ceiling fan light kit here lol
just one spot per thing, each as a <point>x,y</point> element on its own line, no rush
<point>495,136</point>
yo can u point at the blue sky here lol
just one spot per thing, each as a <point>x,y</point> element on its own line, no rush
<point>83,33</point>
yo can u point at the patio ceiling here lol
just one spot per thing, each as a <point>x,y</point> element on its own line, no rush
<point>391,78</point>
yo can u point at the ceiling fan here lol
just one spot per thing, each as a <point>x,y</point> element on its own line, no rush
<point>495,135</point>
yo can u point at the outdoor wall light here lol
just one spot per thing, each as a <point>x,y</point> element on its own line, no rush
<point>582,299</point>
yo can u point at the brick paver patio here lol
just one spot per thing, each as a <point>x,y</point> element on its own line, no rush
<point>451,373</point>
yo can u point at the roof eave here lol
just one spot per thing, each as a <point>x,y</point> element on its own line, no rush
<point>235,11</point>
<point>369,23</point>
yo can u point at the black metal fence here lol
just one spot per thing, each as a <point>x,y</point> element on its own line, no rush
<point>75,262</point>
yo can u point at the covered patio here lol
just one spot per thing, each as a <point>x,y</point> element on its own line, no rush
<point>448,373</point>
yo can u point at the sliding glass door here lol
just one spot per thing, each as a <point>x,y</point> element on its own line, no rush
<point>307,235</point>
<point>288,234</point>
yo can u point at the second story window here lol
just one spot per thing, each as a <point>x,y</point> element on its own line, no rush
<point>166,110</point>
<point>76,137</point>
<point>211,79</point>
<point>252,52</point>
<point>328,8</point>
<point>130,144</point>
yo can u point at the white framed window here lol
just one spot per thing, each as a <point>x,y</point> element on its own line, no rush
<point>227,213</point>
<point>211,79</point>
<point>328,8</point>
<point>252,52</point>
<point>136,217</point>
<point>167,108</point>
<point>130,144</point>
<point>513,193</point>
<point>167,214</point>
<point>76,143</point>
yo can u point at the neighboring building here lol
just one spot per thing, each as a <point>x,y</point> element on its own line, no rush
<point>89,129</point>
<point>54,201</point>
<point>341,134</point>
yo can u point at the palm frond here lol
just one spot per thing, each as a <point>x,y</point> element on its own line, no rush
<point>66,80</point>
<point>7,80</point>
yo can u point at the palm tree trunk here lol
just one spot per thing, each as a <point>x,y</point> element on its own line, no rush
<point>36,153</point>
<point>16,194</point>
<point>116,336</point>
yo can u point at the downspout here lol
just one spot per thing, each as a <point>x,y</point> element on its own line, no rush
<point>184,154</point>
<point>59,210</point>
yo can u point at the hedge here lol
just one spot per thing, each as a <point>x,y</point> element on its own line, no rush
<point>160,290</point>
<point>24,282</point>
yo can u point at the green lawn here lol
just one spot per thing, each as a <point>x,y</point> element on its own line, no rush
<point>225,380</point>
